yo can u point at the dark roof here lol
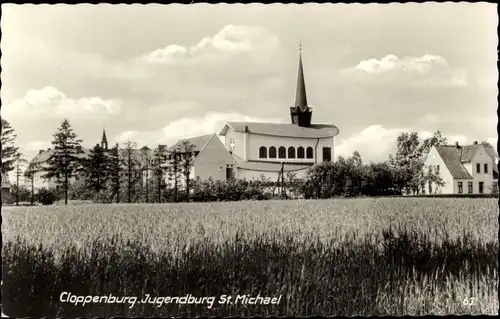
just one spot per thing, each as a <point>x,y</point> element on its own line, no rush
<point>283,129</point>
<point>197,141</point>
<point>44,155</point>
<point>451,156</point>
<point>269,167</point>
<point>468,152</point>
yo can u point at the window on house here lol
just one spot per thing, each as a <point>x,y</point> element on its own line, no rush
<point>309,152</point>
<point>327,154</point>
<point>272,152</point>
<point>460,188</point>
<point>495,187</point>
<point>300,152</point>
<point>481,187</point>
<point>282,152</point>
<point>486,168</point>
<point>262,152</point>
<point>478,168</point>
<point>291,152</point>
<point>469,186</point>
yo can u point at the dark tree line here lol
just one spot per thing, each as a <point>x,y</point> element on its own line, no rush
<point>163,174</point>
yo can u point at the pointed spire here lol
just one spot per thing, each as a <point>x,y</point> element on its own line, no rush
<point>301,97</point>
<point>104,140</point>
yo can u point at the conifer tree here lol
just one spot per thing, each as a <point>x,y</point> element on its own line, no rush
<point>9,149</point>
<point>159,161</point>
<point>132,168</point>
<point>115,169</point>
<point>97,169</point>
<point>174,170</point>
<point>145,152</point>
<point>65,162</point>
<point>187,158</point>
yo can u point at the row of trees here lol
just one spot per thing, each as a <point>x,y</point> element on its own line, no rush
<point>163,174</point>
<point>403,173</point>
<point>103,170</point>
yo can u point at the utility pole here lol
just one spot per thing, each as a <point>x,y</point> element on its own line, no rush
<point>282,180</point>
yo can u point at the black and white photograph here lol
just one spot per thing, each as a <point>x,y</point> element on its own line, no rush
<point>249,160</point>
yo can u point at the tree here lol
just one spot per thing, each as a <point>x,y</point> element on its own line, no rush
<point>97,169</point>
<point>20,160</point>
<point>65,161</point>
<point>29,173</point>
<point>114,170</point>
<point>132,167</point>
<point>146,166</point>
<point>174,170</point>
<point>435,140</point>
<point>186,149</point>
<point>159,161</point>
<point>9,150</point>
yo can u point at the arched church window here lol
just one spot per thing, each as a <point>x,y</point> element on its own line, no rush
<point>309,152</point>
<point>282,152</point>
<point>262,152</point>
<point>291,152</point>
<point>272,152</point>
<point>300,152</point>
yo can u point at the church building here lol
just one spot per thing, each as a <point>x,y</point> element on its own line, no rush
<point>265,148</point>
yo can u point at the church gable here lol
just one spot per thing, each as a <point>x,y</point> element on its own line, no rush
<point>213,150</point>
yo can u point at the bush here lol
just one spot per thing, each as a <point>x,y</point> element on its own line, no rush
<point>47,196</point>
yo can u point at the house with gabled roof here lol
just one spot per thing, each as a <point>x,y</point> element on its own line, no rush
<point>267,148</point>
<point>467,169</point>
<point>210,158</point>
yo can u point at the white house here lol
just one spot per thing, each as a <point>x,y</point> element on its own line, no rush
<point>210,159</point>
<point>262,148</point>
<point>469,169</point>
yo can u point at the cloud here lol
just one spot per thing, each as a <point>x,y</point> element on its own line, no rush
<point>231,40</point>
<point>376,142</point>
<point>49,102</point>
<point>212,122</point>
<point>425,70</point>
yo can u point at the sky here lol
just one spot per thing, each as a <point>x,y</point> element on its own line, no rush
<point>157,73</point>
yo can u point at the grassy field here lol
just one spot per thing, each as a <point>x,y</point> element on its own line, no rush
<point>399,256</point>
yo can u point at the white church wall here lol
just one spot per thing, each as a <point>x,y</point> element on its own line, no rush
<point>213,160</point>
<point>238,138</point>
<point>255,141</point>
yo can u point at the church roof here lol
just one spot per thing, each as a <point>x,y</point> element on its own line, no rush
<point>269,167</point>
<point>198,141</point>
<point>283,129</point>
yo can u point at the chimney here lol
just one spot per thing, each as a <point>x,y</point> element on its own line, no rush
<point>40,152</point>
<point>456,144</point>
<point>475,142</point>
<point>48,149</point>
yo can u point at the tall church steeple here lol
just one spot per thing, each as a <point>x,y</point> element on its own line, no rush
<point>104,140</point>
<point>301,113</point>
